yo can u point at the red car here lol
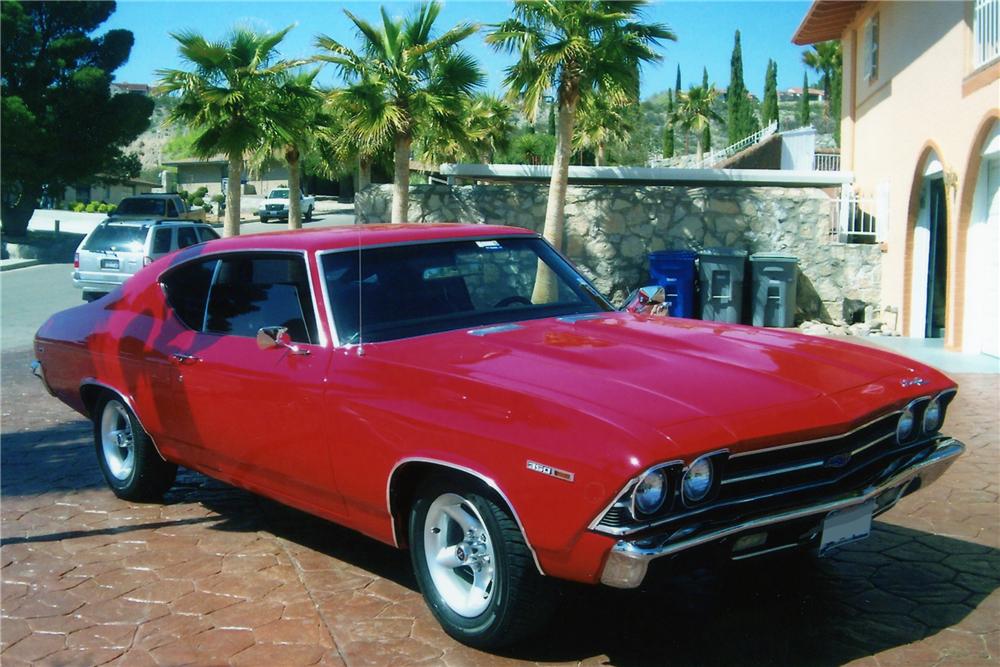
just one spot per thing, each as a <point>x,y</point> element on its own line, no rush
<point>462,391</point>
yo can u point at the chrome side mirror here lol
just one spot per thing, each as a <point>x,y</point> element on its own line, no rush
<point>269,337</point>
<point>648,300</point>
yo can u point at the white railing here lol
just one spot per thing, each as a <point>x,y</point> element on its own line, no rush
<point>860,219</point>
<point>715,157</point>
<point>826,162</point>
<point>985,32</point>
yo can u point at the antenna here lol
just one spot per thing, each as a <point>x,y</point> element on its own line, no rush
<point>361,340</point>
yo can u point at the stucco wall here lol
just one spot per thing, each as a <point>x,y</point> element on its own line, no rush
<point>611,230</point>
<point>927,97</point>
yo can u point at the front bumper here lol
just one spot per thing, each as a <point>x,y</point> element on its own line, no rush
<point>628,561</point>
<point>273,214</point>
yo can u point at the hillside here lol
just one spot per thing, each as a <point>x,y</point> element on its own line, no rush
<point>150,144</point>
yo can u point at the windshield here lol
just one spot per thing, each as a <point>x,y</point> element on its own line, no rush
<point>425,288</point>
<point>278,194</point>
<point>142,206</point>
<point>118,238</point>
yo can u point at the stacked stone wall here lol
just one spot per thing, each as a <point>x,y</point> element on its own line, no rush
<point>611,229</point>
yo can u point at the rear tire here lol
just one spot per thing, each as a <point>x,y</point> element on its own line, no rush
<point>131,465</point>
<point>264,220</point>
<point>309,214</point>
<point>475,570</point>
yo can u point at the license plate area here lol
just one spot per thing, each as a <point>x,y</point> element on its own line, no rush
<point>846,526</point>
<point>110,264</point>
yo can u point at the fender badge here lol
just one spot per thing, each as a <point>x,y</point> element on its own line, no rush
<point>838,460</point>
<point>912,382</point>
<point>550,471</point>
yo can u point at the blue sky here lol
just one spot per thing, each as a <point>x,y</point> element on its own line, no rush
<point>704,30</point>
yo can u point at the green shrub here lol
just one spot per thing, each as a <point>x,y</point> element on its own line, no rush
<point>112,208</point>
<point>207,208</point>
<point>200,192</point>
<point>92,207</point>
<point>218,198</point>
<point>103,208</point>
<point>198,201</point>
<point>79,206</point>
<point>183,194</point>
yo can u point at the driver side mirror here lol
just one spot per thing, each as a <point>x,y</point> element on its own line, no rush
<point>648,300</point>
<point>269,337</point>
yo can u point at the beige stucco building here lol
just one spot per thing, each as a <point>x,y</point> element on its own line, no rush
<point>110,193</point>
<point>193,173</point>
<point>920,125</point>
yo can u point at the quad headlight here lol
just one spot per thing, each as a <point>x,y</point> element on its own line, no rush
<point>933,415</point>
<point>906,425</point>
<point>698,480</point>
<point>650,493</point>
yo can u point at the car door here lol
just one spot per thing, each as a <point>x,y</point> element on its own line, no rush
<point>253,416</point>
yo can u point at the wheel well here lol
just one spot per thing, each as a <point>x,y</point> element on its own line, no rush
<point>407,478</point>
<point>89,394</point>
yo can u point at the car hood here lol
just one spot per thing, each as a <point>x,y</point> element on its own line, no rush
<point>661,371</point>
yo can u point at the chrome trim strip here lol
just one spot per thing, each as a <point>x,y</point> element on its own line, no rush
<point>936,462</point>
<point>582,317</point>
<point>777,471</point>
<point>475,473</point>
<point>595,524</point>
<point>754,554</point>
<point>498,328</point>
<point>812,442</point>
<point>128,401</point>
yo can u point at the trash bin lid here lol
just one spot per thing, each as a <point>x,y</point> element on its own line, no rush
<point>773,257</point>
<point>724,252</point>
<point>673,254</point>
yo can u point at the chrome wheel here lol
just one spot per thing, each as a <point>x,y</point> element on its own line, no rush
<point>117,440</point>
<point>459,555</point>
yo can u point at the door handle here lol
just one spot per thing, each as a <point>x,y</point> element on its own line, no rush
<point>182,358</point>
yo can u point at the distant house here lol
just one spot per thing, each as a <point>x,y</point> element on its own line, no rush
<point>193,173</point>
<point>110,193</point>
<point>920,124</point>
<point>795,94</point>
<point>122,87</point>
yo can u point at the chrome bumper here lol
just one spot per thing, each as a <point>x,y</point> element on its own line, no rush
<point>39,372</point>
<point>628,561</point>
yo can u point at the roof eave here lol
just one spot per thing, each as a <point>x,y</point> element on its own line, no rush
<point>826,20</point>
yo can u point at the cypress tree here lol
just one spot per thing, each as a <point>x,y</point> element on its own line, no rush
<point>552,119</point>
<point>836,82</point>
<point>737,105</point>
<point>668,127</point>
<point>677,86</point>
<point>804,101</point>
<point>706,135</point>
<point>769,110</point>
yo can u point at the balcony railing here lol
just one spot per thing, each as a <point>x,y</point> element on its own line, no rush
<point>985,32</point>
<point>859,219</point>
<point>826,162</point>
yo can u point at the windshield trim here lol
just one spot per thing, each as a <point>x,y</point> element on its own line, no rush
<point>335,338</point>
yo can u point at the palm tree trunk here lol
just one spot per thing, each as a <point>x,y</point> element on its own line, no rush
<point>546,288</point>
<point>701,149</point>
<point>599,158</point>
<point>364,173</point>
<point>401,179</point>
<point>294,188</point>
<point>232,224</point>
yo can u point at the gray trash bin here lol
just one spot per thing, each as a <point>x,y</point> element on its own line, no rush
<point>774,281</point>
<point>721,274</point>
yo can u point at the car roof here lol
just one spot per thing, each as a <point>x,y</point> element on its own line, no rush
<point>147,222</point>
<point>350,236</point>
<point>152,195</point>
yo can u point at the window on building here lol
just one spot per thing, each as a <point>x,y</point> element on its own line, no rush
<point>83,193</point>
<point>871,48</point>
<point>985,32</point>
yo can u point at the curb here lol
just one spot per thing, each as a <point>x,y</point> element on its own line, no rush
<point>11,264</point>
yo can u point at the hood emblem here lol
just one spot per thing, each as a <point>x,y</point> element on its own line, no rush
<point>564,475</point>
<point>912,382</point>
<point>838,460</point>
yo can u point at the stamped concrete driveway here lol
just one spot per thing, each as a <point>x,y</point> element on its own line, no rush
<point>218,576</point>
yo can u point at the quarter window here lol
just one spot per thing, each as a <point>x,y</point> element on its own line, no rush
<point>261,290</point>
<point>187,291</point>
<point>186,237</point>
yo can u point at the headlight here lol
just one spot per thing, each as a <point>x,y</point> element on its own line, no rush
<point>650,492</point>
<point>697,480</point>
<point>933,414</point>
<point>905,425</point>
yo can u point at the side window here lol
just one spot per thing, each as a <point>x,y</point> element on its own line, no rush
<point>206,233</point>
<point>871,48</point>
<point>187,290</point>
<point>185,237</point>
<point>161,240</point>
<point>171,209</point>
<point>262,290</point>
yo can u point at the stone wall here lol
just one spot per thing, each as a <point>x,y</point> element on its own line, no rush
<point>610,229</point>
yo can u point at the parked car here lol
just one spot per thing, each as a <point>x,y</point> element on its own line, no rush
<point>144,207</point>
<point>410,382</point>
<point>116,249</point>
<point>275,206</point>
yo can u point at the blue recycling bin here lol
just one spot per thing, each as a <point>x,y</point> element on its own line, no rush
<point>674,270</point>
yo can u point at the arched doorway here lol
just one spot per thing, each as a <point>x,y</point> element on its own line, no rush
<point>929,266</point>
<point>982,280</point>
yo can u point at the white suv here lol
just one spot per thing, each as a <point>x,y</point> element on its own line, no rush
<point>117,249</point>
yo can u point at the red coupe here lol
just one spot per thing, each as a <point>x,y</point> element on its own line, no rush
<point>461,390</point>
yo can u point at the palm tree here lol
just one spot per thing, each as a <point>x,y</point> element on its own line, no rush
<point>826,59</point>
<point>402,81</point>
<point>577,49</point>
<point>226,96</point>
<point>485,126</point>
<point>694,113</point>
<point>299,106</point>
<point>598,123</point>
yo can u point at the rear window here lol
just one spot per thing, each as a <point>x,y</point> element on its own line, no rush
<point>142,206</point>
<point>118,238</point>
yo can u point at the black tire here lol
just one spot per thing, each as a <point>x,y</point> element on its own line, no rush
<point>264,220</point>
<point>149,476</point>
<point>309,214</point>
<point>522,599</point>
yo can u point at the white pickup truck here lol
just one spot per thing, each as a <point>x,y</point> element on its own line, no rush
<point>276,206</point>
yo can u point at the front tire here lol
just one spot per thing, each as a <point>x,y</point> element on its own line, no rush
<point>131,465</point>
<point>474,568</point>
<point>309,214</point>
